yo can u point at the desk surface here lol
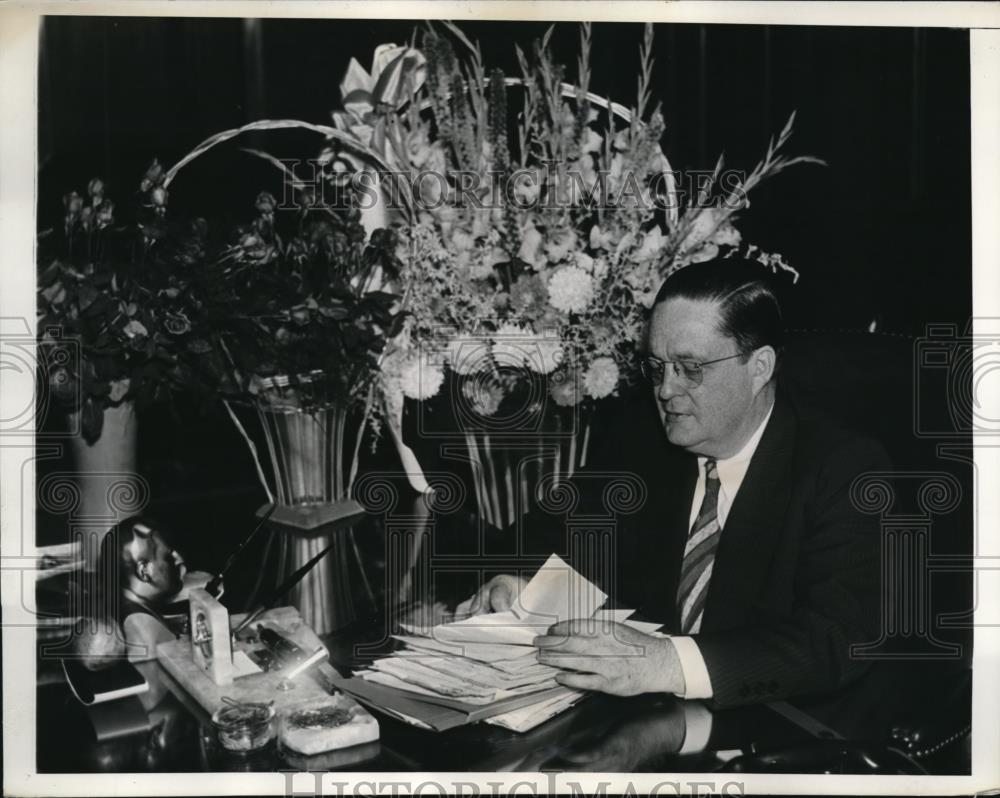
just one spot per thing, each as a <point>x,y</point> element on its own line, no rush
<point>401,564</point>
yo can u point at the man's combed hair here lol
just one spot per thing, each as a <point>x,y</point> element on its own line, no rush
<point>748,307</point>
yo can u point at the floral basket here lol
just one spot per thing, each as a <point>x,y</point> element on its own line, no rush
<point>533,255</point>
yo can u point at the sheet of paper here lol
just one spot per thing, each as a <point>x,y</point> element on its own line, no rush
<point>557,592</point>
<point>479,673</point>
<point>484,652</point>
<point>389,680</point>
<point>498,627</point>
<point>527,718</point>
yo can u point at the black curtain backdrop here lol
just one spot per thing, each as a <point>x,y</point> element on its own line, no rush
<point>882,234</point>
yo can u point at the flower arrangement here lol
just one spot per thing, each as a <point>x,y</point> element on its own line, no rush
<point>300,309</point>
<point>109,321</point>
<point>530,251</point>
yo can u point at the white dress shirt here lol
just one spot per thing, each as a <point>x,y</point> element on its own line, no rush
<point>731,471</point>
<point>697,683</point>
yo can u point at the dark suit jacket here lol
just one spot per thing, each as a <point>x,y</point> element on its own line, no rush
<point>796,575</point>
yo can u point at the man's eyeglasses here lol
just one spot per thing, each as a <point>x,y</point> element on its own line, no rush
<point>690,372</point>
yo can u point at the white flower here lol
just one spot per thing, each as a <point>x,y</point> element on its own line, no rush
<point>601,378</point>
<point>527,186</point>
<point>545,354</point>
<point>119,388</point>
<point>645,298</point>
<point>510,345</point>
<point>652,244</point>
<point>419,378</point>
<point>531,240</point>
<point>591,141</point>
<point>134,328</point>
<point>514,346</point>
<point>727,235</point>
<point>468,355</point>
<point>560,245</point>
<point>566,388</point>
<point>598,238</point>
<point>707,231</point>
<point>584,261</point>
<point>461,240</point>
<point>571,290</point>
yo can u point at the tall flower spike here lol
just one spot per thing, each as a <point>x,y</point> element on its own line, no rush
<point>498,121</point>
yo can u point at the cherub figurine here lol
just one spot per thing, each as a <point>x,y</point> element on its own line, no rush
<point>139,574</point>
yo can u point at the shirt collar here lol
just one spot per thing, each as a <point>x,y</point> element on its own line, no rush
<point>732,470</point>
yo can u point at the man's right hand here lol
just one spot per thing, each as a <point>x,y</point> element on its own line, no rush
<point>497,595</point>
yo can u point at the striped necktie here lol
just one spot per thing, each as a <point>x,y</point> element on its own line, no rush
<point>699,555</point>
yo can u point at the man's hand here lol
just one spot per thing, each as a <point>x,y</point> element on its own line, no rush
<point>497,595</point>
<point>610,658</point>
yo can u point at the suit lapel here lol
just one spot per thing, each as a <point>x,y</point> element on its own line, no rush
<point>673,533</point>
<point>670,475</point>
<point>753,526</point>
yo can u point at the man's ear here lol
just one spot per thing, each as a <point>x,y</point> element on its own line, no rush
<point>762,364</point>
<point>142,570</point>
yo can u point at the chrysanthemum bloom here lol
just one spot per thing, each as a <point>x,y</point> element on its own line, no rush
<point>601,378</point>
<point>511,344</point>
<point>571,290</point>
<point>419,378</point>
<point>566,387</point>
<point>545,354</point>
<point>468,355</point>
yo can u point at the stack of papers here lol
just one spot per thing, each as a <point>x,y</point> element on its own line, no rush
<point>485,667</point>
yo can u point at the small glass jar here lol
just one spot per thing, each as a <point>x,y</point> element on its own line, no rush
<point>245,728</point>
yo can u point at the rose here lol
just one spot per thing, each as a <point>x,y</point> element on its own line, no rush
<point>266,203</point>
<point>176,323</point>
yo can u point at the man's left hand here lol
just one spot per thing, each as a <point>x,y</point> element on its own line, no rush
<point>610,658</point>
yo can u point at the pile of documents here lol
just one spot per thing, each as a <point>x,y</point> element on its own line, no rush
<point>485,667</point>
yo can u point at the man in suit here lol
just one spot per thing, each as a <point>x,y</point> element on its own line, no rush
<point>748,547</point>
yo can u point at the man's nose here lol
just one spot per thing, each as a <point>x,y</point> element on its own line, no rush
<point>670,385</point>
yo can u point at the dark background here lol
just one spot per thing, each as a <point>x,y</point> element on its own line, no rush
<point>882,234</point>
